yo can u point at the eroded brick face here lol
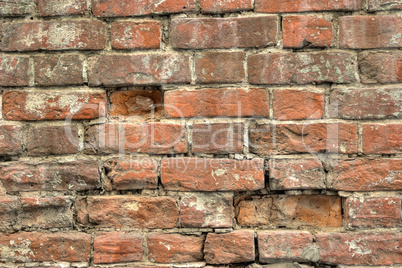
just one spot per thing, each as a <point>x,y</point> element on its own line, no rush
<point>200,133</point>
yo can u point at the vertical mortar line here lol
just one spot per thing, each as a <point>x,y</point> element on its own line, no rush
<point>108,34</point>
<point>359,138</point>
<point>246,127</point>
<point>91,256</point>
<point>192,68</point>
<point>335,29</point>
<point>189,128</point>
<point>84,68</point>
<point>327,100</point>
<point>271,102</point>
<point>31,71</point>
<point>81,132</point>
<point>279,34</point>
<point>245,67</point>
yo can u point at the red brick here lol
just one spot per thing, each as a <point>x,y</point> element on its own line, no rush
<point>228,102</point>
<point>380,67</point>
<point>58,70</point>
<point>225,6</point>
<point>212,210</point>
<point>219,67</point>
<point>276,246</point>
<point>144,103</point>
<point>60,176</point>
<point>302,68</point>
<point>36,247</point>
<point>366,103</point>
<point>291,211</point>
<point>303,138</point>
<point>54,35</point>
<point>136,35</point>
<point>56,8</point>
<point>293,104</point>
<point>363,174</point>
<point>218,138</point>
<point>199,33</point>
<point>53,105</point>
<point>119,8</point>
<point>301,31</point>
<point>9,206</point>
<point>284,6</point>
<point>360,248</point>
<point>385,31</point>
<point>14,70</point>
<point>132,173</point>
<point>115,247</point>
<point>53,140</point>
<point>374,5</point>
<point>372,212</point>
<point>15,8</point>
<point>49,212</point>
<point>199,174</point>
<point>293,174</point>
<point>143,137</point>
<point>382,139</point>
<point>235,247</point>
<point>132,212</point>
<point>10,139</point>
<point>175,248</point>
<point>124,70</point>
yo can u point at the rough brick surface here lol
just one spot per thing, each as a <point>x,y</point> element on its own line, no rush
<point>234,247</point>
<point>380,67</point>
<point>374,5</point>
<point>57,8</point>
<point>9,206</point>
<point>382,139</point>
<point>10,139</point>
<point>211,6</point>
<point>134,35</point>
<point>173,248</point>
<point>302,68</point>
<point>229,102</point>
<point>273,6</point>
<point>204,33</point>
<point>53,35</point>
<point>14,70</point>
<point>353,31</point>
<point>117,247</point>
<point>197,174</point>
<point>14,8</point>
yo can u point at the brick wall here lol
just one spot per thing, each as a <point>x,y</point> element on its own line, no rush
<point>193,133</point>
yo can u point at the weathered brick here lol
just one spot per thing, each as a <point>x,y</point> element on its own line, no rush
<point>15,8</point>
<point>118,247</point>
<point>10,139</point>
<point>218,138</point>
<point>119,8</point>
<point>53,140</point>
<point>138,102</point>
<point>58,70</point>
<point>380,67</point>
<point>132,212</point>
<point>289,174</point>
<point>303,138</point>
<point>213,210</point>
<point>143,137</point>
<point>360,248</point>
<point>47,212</point>
<point>293,104</point>
<point>199,174</point>
<point>143,69</point>
<point>276,246</point>
<point>53,105</point>
<point>284,6</point>
<point>385,31</point>
<point>379,103</point>
<point>175,248</point>
<point>199,33</point>
<point>235,247</point>
<point>52,176</point>
<point>136,35</point>
<point>57,8</point>
<point>225,6</point>
<point>374,5</point>
<point>54,35</point>
<point>382,139</point>
<point>9,206</point>
<point>14,70</point>
<point>372,212</point>
<point>37,247</point>
<point>363,174</point>
<point>302,68</point>
<point>291,211</point>
<point>228,102</point>
<point>219,67</point>
<point>132,173</point>
<point>301,31</point>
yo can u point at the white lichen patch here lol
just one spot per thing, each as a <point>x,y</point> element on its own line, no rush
<point>16,251</point>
